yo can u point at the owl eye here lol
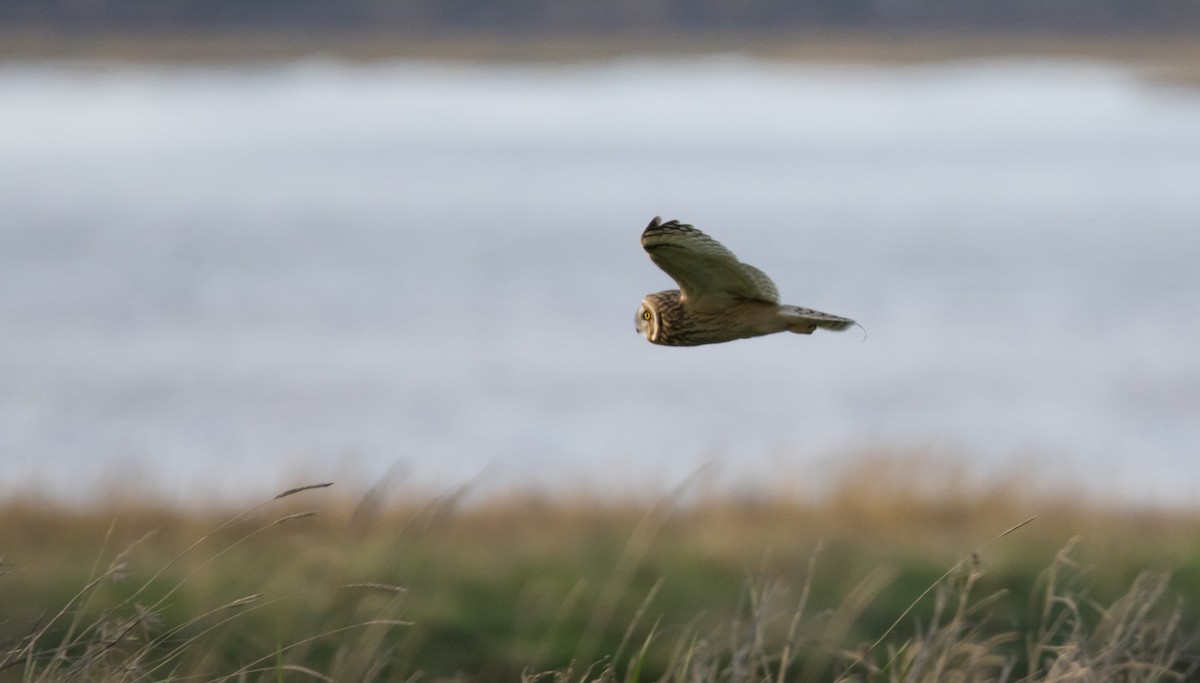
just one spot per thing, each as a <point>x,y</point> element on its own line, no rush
<point>645,315</point>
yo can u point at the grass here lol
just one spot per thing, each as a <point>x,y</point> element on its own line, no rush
<point>901,571</point>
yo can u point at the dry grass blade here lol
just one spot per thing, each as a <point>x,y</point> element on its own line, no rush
<point>299,489</point>
<point>250,602</point>
<point>208,561</point>
<point>253,666</point>
<point>635,551</point>
<point>221,527</point>
<point>27,652</point>
<point>371,585</point>
<point>788,656</point>
<point>842,620</point>
<point>294,516</point>
<point>973,557</point>
<point>637,618</point>
<point>305,670</point>
<point>241,602</point>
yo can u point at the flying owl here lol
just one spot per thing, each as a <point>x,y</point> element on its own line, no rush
<point>719,298</point>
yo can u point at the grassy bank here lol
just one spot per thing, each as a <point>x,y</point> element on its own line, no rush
<point>1170,56</point>
<point>887,576</point>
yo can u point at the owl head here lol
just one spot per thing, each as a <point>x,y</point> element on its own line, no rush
<point>653,319</point>
<point>647,320</point>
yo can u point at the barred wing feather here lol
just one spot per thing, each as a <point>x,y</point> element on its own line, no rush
<point>708,274</point>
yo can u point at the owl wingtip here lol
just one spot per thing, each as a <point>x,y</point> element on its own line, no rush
<point>674,224</point>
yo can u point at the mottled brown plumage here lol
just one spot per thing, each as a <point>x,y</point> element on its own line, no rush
<point>720,298</point>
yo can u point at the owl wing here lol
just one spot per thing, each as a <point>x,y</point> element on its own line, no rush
<point>708,274</point>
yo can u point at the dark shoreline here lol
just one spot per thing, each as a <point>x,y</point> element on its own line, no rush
<point>1181,51</point>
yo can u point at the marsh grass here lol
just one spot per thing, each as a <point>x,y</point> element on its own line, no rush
<point>102,635</point>
<point>772,640</point>
<point>916,582</point>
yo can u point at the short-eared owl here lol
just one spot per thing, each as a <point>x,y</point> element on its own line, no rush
<point>719,298</point>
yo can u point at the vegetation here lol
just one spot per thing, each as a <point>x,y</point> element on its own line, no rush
<point>901,571</point>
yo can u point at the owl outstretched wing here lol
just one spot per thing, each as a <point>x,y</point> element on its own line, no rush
<point>708,274</point>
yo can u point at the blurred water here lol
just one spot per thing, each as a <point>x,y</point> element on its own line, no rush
<point>214,281</point>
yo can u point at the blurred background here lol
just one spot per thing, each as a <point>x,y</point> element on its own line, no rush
<point>247,245</point>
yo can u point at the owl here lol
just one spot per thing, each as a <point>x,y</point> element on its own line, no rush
<point>719,298</point>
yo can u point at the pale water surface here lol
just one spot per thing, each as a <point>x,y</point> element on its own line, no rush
<point>217,281</point>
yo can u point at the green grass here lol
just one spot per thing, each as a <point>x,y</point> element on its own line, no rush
<point>877,580</point>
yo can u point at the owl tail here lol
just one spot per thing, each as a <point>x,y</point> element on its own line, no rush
<point>806,320</point>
